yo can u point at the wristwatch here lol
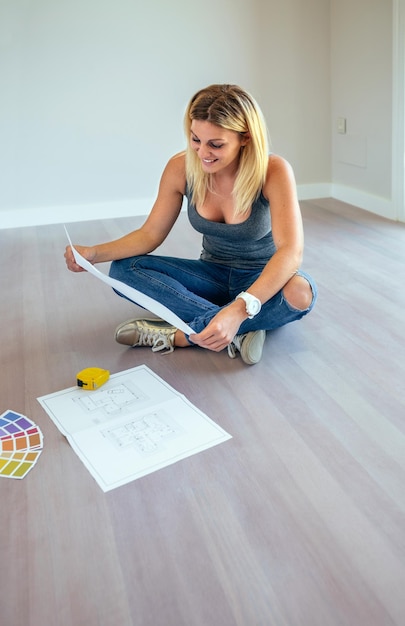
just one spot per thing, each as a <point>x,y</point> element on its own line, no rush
<point>253,304</point>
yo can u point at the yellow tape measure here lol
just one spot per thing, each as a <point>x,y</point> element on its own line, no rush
<point>92,377</point>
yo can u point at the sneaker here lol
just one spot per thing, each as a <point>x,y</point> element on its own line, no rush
<point>250,345</point>
<point>157,334</point>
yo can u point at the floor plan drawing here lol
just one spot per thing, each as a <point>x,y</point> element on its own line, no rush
<point>148,434</point>
<point>117,400</point>
<point>132,426</point>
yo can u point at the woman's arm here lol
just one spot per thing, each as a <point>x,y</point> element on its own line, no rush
<point>155,229</point>
<point>287,230</point>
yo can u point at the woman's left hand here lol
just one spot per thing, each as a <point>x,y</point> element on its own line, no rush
<point>222,328</point>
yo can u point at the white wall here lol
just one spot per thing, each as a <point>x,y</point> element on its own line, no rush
<point>362,87</point>
<point>94,91</point>
<point>295,87</point>
<point>93,94</point>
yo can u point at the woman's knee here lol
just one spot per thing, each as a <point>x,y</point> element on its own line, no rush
<point>298,293</point>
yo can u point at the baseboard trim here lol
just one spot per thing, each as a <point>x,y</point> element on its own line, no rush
<point>75,213</point>
<point>310,192</point>
<point>140,207</point>
<point>383,207</point>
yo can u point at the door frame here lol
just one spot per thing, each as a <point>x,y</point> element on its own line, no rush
<point>398,110</point>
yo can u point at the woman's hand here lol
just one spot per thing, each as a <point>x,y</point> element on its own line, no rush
<point>87,253</point>
<point>222,328</point>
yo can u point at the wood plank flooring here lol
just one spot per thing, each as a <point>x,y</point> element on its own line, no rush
<point>298,520</point>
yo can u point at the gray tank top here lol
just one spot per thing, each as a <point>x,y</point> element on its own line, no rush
<point>245,245</point>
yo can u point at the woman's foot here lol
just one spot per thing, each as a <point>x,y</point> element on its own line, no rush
<point>155,333</point>
<point>250,345</point>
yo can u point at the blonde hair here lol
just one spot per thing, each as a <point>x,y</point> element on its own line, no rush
<point>231,108</point>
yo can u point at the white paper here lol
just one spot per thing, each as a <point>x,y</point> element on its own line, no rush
<point>133,425</point>
<point>148,303</point>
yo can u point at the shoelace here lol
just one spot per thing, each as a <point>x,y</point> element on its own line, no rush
<point>234,347</point>
<point>156,340</point>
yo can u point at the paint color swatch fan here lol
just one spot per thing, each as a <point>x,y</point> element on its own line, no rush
<point>21,444</point>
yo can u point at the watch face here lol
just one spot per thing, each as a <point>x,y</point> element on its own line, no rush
<point>253,307</point>
<point>253,304</point>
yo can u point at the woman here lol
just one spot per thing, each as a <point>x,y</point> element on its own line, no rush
<point>244,202</point>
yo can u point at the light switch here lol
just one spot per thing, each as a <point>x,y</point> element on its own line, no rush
<point>341,125</point>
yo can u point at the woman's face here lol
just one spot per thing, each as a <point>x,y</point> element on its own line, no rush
<point>217,148</point>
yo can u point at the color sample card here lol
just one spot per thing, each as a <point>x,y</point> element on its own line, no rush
<point>21,443</point>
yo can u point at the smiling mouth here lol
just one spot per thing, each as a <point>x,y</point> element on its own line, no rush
<point>209,160</point>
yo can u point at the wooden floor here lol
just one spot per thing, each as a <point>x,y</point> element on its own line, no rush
<point>298,520</point>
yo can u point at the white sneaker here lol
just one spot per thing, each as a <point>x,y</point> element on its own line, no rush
<point>250,345</point>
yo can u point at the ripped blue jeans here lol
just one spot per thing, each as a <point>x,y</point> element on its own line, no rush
<point>195,290</point>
